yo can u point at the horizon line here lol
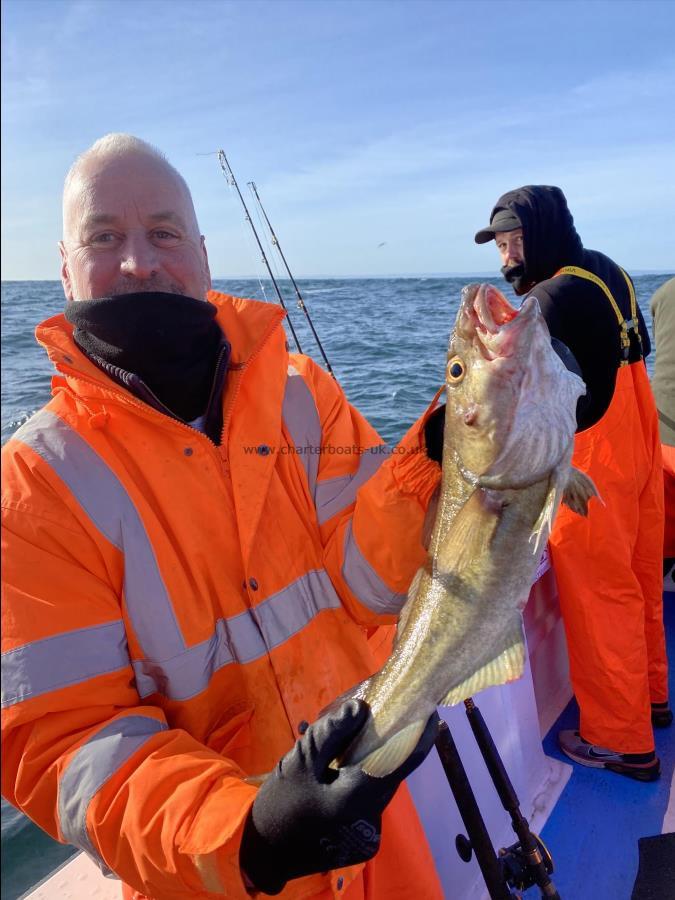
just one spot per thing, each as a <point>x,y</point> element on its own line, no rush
<point>325,277</point>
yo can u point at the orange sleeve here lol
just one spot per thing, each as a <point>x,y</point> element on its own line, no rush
<point>371,502</point>
<point>83,756</point>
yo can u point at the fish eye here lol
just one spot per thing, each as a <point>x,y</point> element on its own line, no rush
<point>456,370</point>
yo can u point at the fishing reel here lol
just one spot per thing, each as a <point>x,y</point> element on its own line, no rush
<point>520,868</point>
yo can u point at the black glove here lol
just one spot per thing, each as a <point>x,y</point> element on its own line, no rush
<point>433,434</point>
<point>310,818</point>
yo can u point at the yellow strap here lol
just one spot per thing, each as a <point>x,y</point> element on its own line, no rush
<point>590,276</point>
<point>624,324</point>
<point>633,303</point>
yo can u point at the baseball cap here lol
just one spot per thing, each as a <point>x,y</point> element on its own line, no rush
<point>502,220</point>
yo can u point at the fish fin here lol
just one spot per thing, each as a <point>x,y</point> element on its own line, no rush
<point>412,590</point>
<point>257,780</point>
<point>394,752</point>
<point>430,518</point>
<point>542,527</point>
<point>471,534</point>
<point>578,492</point>
<point>506,666</point>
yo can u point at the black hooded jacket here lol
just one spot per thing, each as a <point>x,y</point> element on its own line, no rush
<point>577,312</point>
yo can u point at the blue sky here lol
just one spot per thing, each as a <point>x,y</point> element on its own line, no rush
<point>379,133</point>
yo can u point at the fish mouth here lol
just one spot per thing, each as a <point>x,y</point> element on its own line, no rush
<point>495,327</point>
<point>491,309</point>
<point>505,342</point>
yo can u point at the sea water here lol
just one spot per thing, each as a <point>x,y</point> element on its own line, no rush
<point>386,339</point>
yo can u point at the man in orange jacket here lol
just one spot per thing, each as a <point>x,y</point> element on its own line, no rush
<point>608,565</point>
<point>199,535</point>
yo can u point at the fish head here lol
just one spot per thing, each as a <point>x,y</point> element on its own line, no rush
<point>511,402</point>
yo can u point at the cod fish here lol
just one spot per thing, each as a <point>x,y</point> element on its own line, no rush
<point>509,430</point>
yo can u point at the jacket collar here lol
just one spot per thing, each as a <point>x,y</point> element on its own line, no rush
<point>246,323</point>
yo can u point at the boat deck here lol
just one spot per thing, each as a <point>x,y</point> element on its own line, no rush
<point>594,828</point>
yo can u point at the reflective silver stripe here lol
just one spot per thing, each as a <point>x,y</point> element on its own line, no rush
<point>239,639</point>
<point>105,500</point>
<point>301,418</point>
<point>170,668</point>
<point>64,659</point>
<point>364,581</point>
<point>92,765</point>
<point>335,494</point>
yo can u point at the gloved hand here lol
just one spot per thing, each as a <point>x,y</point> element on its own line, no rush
<point>310,818</point>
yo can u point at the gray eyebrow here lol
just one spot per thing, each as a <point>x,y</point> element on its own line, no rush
<point>99,219</point>
<point>108,219</point>
<point>167,216</point>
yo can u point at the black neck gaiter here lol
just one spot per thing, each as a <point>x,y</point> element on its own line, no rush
<point>170,341</point>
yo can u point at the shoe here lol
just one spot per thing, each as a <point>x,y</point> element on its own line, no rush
<point>641,766</point>
<point>662,715</point>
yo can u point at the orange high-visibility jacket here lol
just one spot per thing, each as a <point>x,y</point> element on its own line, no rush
<point>174,609</point>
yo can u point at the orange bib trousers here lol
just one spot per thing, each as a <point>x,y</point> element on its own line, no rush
<point>609,572</point>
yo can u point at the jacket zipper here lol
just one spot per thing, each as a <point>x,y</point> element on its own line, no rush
<point>143,408</point>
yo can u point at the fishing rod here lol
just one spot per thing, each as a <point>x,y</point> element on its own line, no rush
<point>520,866</point>
<point>232,181</point>
<point>301,302</point>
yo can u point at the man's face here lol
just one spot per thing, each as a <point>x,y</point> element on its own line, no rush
<point>510,246</point>
<point>129,225</point>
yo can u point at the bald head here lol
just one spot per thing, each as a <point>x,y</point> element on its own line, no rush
<point>129,224</point>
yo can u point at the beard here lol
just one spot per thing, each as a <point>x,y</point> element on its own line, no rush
<point>518,278</point>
